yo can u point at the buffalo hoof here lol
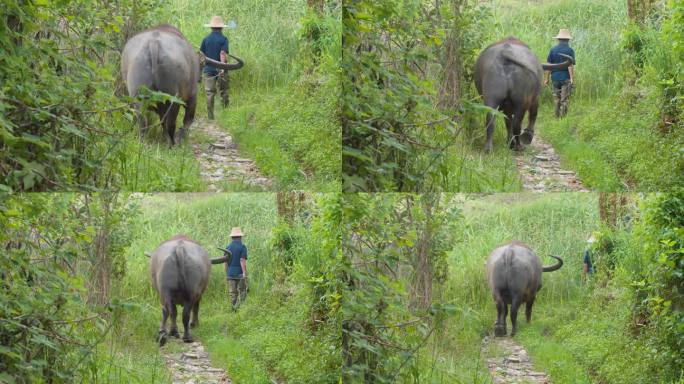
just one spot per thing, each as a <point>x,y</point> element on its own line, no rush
<point>194,324</point>
<point>499,331</point>
<point>174,333</point>
<point>187,339</point>
<point>162,338</point>
<point>526,137</point>
<point>488,148</point>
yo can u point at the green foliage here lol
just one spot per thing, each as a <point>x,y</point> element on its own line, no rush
<point>288,329</point>
<point>56,102</point>
<point>617,136</point>
<point>394,136</point>
<point>672,75</point>
<point>659,285</point>
<point>49,332</point>
<point>384,328</point>
<point>284,102</point>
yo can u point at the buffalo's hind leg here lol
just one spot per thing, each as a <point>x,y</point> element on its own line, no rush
<point>187,307</point>
<point>500,325</point>
<point>515,304</point>
<point>195,315</point>
<point>189,117</point>
<point>528,309</point>
<point>518,117</point>
<point>162,335</point>
<point>527,136</point>
<point>170,121</point>
<point>174,325</point>
<point>143,122</point>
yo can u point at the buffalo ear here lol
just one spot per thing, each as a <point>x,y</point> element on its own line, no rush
<point>148,254</point>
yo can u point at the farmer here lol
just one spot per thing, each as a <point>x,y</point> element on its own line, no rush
<point>215,46</point>
<point>563,79</point>
<point>587,266</point>
<point>236,269</point>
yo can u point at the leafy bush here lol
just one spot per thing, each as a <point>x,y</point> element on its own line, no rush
<point>659,283</point>
<point>51,326</point>
<point>56,95</point>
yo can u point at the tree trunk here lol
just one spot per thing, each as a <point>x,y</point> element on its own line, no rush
<point>316,5</point>
<point>421,290</point>
<point>639,10</point>
<point>289,205</point>
<point>613,207</point>
<point>450,90</point>
<point>101,263</point>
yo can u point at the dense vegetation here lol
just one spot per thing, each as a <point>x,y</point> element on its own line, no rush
<point>66,124</point>
<point>406,109</point>
<point>410,122</point>
<point>624,130</point>
<point>77,304</point>
<point>622,325</point>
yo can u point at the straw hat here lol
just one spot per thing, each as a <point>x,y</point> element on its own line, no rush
<point>216,22</point>
<point>563,34</point>
<point>236,232</point>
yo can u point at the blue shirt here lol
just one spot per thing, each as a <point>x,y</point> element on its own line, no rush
<point>212,45</point>
<point>587,261</point>
<point>239,251</point>
<point>555,58</point>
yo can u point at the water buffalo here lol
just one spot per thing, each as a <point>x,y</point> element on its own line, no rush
<point>180,273</point>
<point>161,59</point>
<point>508,76</point>
<point>514,274</point>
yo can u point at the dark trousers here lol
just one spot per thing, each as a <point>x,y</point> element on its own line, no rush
<point>237,287</point>
<point>213,85</point>
<point>561,96</point>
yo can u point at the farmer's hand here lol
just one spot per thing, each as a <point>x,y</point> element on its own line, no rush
<point>246,285</point>
<point>546,82</point>
<point>221,73</point>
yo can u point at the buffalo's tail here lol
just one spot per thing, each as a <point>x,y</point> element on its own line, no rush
<point>180,264</point>
<point>153,46</point>
<point>509,55</point>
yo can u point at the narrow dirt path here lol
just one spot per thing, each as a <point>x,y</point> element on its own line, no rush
<point>220,161</point>
<point>514,367</point>
<point>540,169</point>
<point>191,365</point>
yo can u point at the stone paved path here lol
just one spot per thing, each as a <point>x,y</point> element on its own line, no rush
<point>541,171</point>
<point>192,364</point>
<point>220,160</point>
<point>515,367</point>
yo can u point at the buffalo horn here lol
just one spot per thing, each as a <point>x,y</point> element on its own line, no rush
<point>559,66</point>
<point>555,266</point>
<point>226,66</point>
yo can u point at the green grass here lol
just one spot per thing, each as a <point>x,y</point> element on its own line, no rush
<point>476,171</point>
<point>282,115</point>
<point>579,333</point>
<point>267,339</point>
<point>551,224</point>
<point>612,135</point>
